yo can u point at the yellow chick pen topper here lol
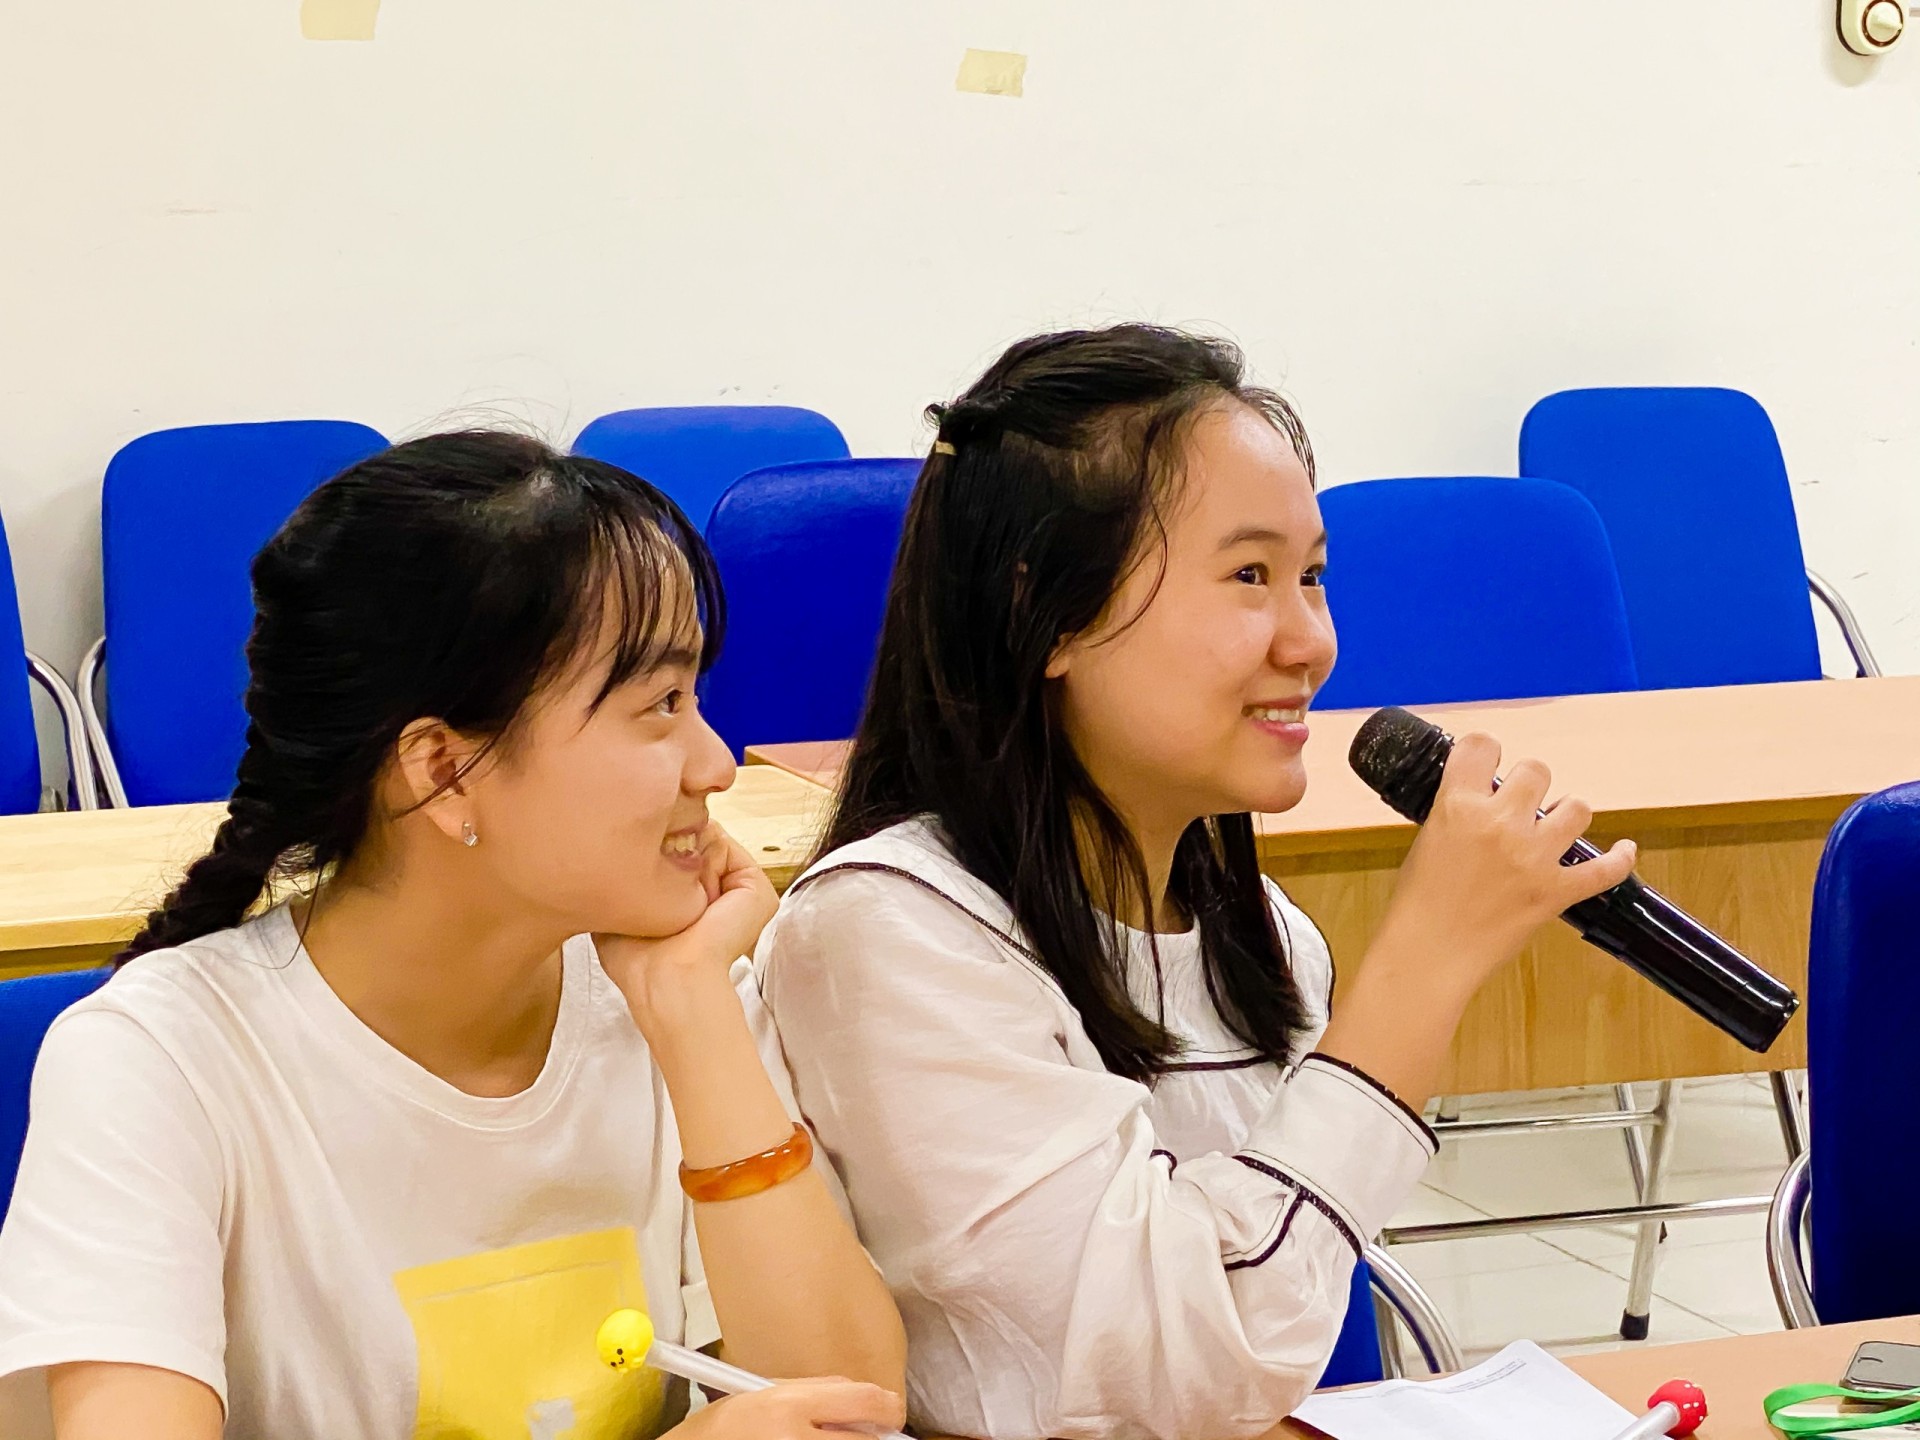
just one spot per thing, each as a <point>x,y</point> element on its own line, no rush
<point>626,1342</point>
<point>625,1338</point>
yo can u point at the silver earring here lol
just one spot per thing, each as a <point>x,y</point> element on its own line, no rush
<point>467,837</point>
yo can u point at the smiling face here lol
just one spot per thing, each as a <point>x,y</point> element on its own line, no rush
<point>594,812</point>
<point>1188,697</point>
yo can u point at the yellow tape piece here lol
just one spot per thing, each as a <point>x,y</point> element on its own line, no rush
<point>992,72</point>
<point>338,19</point>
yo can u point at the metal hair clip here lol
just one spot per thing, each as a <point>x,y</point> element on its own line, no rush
<point>941,447</point>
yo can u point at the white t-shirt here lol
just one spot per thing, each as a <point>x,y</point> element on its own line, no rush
<point>228,1175</point>
<point>1075,1254</point>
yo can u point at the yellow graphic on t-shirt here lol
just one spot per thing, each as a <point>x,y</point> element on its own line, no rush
<point>507,1349</point>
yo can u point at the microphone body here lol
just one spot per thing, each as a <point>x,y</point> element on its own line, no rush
<point>1401,757</point>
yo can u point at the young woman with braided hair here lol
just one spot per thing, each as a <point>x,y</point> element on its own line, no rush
<point>377,1161</point>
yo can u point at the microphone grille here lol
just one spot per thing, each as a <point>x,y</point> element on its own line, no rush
<point>1400,756</point>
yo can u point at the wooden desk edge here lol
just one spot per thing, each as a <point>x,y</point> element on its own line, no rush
<point>71,931</point>
<point>92,932</point>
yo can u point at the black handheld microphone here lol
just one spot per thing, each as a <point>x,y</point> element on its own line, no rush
<point>1400,756</point>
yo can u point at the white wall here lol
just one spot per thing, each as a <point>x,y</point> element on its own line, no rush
<point>565,206</point>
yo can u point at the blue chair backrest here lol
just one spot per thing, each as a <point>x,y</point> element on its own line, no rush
<point>695,452</point>
<point>806,552</point>
<point>182,514</point>
<point>1863,993</point>
<point>27,1007</point>
<point>1470,588</point>
<point>1356,1354</point>
<point>1694,493</point>
<point>19,748</point>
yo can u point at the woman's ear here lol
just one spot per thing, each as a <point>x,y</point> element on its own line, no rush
<point>1060,660</point>
<point>431,761</point>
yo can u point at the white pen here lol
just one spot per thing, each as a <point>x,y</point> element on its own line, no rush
<point>1656,1424</point>
<point>627,1341</point>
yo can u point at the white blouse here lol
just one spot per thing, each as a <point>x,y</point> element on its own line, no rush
<point>1075,1254</point>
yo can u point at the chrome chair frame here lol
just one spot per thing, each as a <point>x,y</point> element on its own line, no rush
<point>75,734</point>
<point>1398,1297</point>
<point>1856,638</point>
<point>1646,1159</point>
<point>96,729</point>
<point>1786,1247</point>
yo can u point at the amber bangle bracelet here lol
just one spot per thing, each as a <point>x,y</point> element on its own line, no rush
<point>752,1175</point>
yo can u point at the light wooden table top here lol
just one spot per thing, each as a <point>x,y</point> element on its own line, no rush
<point>88,877</point>
<point>1736,1374</point>
<point>1735,755</point>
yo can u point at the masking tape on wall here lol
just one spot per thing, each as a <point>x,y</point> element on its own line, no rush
<point>992,72</point>
<point>338,19</point>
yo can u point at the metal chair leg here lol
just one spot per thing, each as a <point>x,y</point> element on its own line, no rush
<point>1636,1320</point>
<point>1792,1110</point>
<point>1636,1143</point>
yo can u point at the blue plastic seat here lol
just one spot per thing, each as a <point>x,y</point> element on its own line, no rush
<point>695,452</point>
<point>1693,490</point>
<point>19,749</point>
<point>27,1007</point>
<point>20,779</point>
<point>806,552</point>
<point>1863,1069</point>
<point>1469,588</point>
<point>182,514</point>
<point>1356,1354</point>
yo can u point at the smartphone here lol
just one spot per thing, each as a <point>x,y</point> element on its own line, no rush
<point>1884,1365</point>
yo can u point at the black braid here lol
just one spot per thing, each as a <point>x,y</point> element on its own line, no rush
<point>221,886</point>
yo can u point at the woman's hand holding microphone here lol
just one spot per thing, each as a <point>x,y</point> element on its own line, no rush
<point>1484,873</point>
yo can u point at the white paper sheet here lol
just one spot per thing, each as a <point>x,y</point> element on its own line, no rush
<point>1521,1391</point>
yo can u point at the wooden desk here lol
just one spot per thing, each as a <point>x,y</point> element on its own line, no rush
<point>1730,793</point>
<point>1737,1373</point>
<point>75,886</point>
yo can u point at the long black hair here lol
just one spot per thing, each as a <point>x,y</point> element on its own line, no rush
<point>449,577</point>
<point>1050,479</point>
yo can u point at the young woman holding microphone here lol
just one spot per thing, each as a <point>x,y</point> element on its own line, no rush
<point>1071,1055</point>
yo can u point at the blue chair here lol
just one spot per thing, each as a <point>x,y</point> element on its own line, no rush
<point>1382,1289</point>
<point>20,779</point>
<point>1863,1073</point>
<point>1356,1358</point>
<point>27,1007</point>
<point>1468,588</point>
<point>1473,588</point>
<point>182,514</point>
<point>1693,490</point>
<point>695,452</point>
<point>806,552</point>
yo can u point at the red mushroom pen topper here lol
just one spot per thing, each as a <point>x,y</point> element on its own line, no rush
<point>1675,1409</point>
